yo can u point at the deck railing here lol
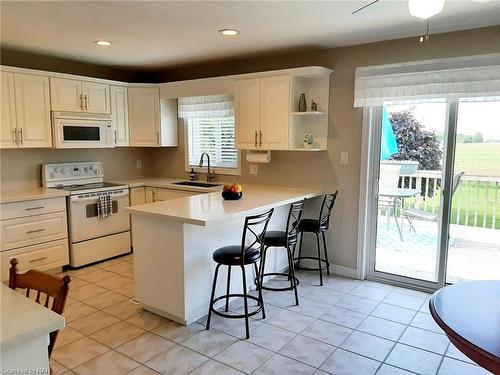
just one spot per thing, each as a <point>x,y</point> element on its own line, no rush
<point>476,201</point>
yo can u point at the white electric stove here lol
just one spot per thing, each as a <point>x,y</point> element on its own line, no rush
<point>91,238</point>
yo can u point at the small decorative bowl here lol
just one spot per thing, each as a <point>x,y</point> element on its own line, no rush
<point>230,196</point>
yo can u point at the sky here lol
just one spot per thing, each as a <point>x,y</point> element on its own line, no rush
<point>473,117</point>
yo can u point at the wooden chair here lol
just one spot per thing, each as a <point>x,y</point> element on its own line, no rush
<point>47,288</point>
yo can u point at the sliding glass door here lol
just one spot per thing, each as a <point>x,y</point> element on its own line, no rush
<point>435,212</point>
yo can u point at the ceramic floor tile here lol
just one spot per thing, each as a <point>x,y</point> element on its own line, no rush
<point>78,352</point>
<point>425,321</point>
<point>278,365</point>
<point>76,282</point>
<point>77,310</point>
<point>290,320</point>
<point>382,328</point>
<point>342,362</point>
<point>176,332</point>
<point>118,334</point>
<point>394,313</point>
<point>106,299</point>
<point>85,291</point>
<point>413,359</point>
<point>97,275</point>
<point>120,267</point>
<point>110,363</point>
<point>307,350</point>
<point>145,347</point>
<point>215,368</point>
<point>391,370</point>
<point>93,322</point>
<point>359,304</point>
<point>147,320</point>
<point>126,289</point>
<point>368,345</point>
<point>233,327</point>
<point>344,317</point>
<point>244,356</point>
<point>124,310</point>
<point>424,339</point>
<point>67,335</point>
<point>329,333</point>
<point>343,285</point>
<point>177,361</point>
<point>57,368</point>
<point>142,370</point>
<point>271,337</point>
<point>281,299</point>
<point>404,300</point>
<point>310,307</point>
<point>209,343</point>
<point>370,292</point>
<point>114,282</point>
<point>454,367</point>
<point>325,295</point>
<point>453,352</point>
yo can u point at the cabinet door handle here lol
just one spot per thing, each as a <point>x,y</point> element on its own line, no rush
<point>38,259</point>
<point>256,138</point>
<point>15,136</point>
<point>20,136</point>
<point>81,102</point>
<point>158,137</point>
<point>260,138</point>
<point>35,230</point>
<point>153,193</point>
<point>115,136</point>
<point>85,98</point>
<point>34,208</point>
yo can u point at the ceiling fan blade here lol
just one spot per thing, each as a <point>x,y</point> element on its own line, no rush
<point>365,6</point>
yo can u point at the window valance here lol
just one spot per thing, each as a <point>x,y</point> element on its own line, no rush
<point>206,106</point>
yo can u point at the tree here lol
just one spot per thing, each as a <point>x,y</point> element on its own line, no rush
<point>416,144</point>
<point>478,137</point>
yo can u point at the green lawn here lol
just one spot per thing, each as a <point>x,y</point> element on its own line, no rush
<point>481,159</point>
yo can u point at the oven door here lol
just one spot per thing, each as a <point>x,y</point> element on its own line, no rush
<point>84,224</point>
<point>76,133</point>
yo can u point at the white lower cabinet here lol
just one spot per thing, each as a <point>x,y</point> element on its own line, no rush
<point>137,195</point>
<point>34,232</point>
<point>160,194</point>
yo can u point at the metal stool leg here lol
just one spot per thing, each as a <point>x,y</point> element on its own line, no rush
<point>228,286</point>
<point>319,261</point>
<point>291,269</point>
<point>214,284</point>
<point>300,249</point>
<point>247,328</point>
<point>326,254</point>
<point>259,290</point>
<point>263,266</point>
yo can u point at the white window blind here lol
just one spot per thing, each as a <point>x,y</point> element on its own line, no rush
<point>215,136</point>
<point>449,78</point>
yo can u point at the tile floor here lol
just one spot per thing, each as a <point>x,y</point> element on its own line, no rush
<point>345,327</point>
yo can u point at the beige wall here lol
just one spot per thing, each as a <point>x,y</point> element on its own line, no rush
<point>23,167</point>
<point>323,169</point>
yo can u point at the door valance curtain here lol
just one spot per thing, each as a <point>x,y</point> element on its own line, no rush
<point>206,106</point>
<point>449,78</point>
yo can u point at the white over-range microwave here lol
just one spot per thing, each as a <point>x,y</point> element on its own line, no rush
<point>82,130</point>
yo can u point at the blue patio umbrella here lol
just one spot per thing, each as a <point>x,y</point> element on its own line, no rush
<point>388,144</point>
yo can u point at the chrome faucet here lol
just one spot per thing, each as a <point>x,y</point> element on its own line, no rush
<point>210,175</point>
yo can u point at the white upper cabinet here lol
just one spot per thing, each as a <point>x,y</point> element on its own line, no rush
<point>8,125</point>
<point>144,116</point>
<point>33,110</point>
<point>25,111</point>
<point>119,114</point>
<point>168,123</point>
<point>247,111</point>
<point>274,112</point>
<point>79,96</point>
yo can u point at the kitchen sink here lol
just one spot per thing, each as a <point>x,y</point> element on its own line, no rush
<point>197,184</point>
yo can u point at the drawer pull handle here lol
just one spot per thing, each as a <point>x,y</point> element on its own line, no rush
<point>37,260</point>
<point>34,208</point>
<point>36,230</point>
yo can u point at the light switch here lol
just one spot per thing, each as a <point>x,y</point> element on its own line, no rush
<point>138,164</point>
<point>253,168</point>
<point>344,158</point>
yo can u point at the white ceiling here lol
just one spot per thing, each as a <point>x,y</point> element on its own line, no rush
<point>153,34</point>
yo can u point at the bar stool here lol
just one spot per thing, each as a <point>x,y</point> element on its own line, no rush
<point>288,240</point>
<point>241,255</point>
<point>317,226</point>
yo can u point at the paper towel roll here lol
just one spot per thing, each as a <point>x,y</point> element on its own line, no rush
<point>258,156</point>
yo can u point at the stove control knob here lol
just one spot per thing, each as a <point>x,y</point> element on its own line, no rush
<point>95,171</point>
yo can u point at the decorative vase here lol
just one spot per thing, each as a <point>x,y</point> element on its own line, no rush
<point>302,103</point>
<point>314,106</point>
<point>308,141</point>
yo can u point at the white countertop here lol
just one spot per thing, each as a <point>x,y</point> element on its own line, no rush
<point>29,194</point>
<point>166,183</point>
<point>211,208</point>
<point>23,318</point>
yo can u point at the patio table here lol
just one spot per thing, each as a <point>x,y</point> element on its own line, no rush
<point>398,194</point>
<point>469,314</point>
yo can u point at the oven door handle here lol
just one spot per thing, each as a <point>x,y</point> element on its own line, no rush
<point>77,199</point>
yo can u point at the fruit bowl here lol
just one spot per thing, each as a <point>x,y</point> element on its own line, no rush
<point>231,196</point>
<point>232,192</point>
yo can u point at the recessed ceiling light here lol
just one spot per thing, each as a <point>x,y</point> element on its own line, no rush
<point>229,32</point>
<point>102,43</point>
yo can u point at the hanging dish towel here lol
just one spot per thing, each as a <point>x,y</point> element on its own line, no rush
<point>104,206</point>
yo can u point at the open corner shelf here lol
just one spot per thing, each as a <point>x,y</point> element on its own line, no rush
<point>308,149</point>
<point>308,113</point>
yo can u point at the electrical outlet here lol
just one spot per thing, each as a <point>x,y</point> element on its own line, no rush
<point>253,168</point>
<point>138,164</point>
<point>344,158</point>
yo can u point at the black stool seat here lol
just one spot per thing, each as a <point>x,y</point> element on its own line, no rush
<point>275,238</point>
<point>231,255</point>
<point>311,225</point>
